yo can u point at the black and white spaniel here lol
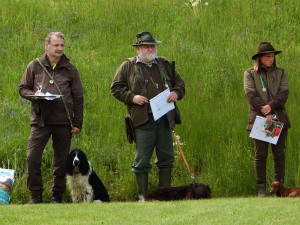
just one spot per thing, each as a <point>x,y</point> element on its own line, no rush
<point>83,182</point>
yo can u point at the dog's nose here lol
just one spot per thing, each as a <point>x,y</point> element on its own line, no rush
<point>76,162</point>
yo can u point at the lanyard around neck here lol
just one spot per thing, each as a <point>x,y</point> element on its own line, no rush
<point>264,89</point>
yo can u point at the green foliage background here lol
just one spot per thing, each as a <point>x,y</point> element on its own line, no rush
<point>212,45</point>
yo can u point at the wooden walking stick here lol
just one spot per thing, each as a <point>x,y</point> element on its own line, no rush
<point>182,155</point>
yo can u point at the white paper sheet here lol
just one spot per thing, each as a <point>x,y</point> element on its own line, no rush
<point>266,133</point>
<point>159,104</point>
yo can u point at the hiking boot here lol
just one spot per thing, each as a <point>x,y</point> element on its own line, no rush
<point>36,197</point>
<point>261,190</point>
<point>56,197</point>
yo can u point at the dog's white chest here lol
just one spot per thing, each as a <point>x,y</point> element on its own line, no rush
<point>81,190</point>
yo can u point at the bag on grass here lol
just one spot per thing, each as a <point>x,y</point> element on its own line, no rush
<point>6,184</point>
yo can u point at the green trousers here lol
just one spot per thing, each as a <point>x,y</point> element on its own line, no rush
<point>157,136</point>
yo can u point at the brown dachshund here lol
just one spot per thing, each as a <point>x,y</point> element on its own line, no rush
<point>279,189</point>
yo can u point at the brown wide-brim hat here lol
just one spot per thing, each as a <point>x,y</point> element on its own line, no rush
<point>264,48</point>
<point>145,38</point>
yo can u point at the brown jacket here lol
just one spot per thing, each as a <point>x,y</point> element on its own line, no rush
<point>129,80</point>
<point>276,95</point>
<point>49,112</point>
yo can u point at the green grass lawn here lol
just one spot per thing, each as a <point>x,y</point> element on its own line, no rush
<point>270,210</point>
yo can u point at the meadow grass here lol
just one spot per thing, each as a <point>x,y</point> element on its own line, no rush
<point>212,45</point>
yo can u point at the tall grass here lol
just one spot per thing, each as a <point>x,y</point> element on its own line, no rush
<point>212,45</point>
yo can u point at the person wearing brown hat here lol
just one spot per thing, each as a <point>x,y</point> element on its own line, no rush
<point>266,87</point>
<point>136,81</point>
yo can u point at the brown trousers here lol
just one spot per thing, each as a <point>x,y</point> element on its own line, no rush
<point>61,143</point>
<point>261,155</point>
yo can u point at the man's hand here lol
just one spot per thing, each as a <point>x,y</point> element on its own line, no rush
<point>266,109</point>
<point>172,97</point>
<point>139,100</point>
<point>75,130</point>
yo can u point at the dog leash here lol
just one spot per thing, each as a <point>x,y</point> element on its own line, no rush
<point>182,155</point>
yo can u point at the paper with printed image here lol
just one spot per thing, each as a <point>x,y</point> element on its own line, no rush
<point>265,132</point>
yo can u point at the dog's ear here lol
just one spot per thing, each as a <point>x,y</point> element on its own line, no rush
<point>201,191</point>
<point>85,167</point>
<point>208,191</point>
<point>281,189</point>
<point>84,163</point>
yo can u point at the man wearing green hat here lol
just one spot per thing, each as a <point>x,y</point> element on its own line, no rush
<point>136,81</point>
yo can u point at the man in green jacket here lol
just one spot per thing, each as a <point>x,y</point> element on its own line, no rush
<point>136,81</point>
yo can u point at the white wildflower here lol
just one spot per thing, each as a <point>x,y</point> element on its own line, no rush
<point>195,3</point>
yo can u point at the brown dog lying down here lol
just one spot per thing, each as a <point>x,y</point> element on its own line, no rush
<point>279,189</point>
<point>193,191</point>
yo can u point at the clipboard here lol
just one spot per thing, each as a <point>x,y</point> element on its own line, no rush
<point>47,96</point>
